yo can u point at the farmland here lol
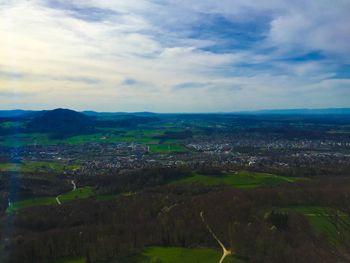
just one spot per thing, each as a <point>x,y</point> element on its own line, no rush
<point>36,166</point>
<point>149,138</point>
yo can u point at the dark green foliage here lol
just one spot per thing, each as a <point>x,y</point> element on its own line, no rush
<point>62,123</point>
<point>210,171</point>
<point>169,216</point>
<point>136,180</point>
<point>169,135</point>
<point>279,220</point>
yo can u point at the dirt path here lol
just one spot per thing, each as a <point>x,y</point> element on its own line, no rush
<point>225,252</point>
<point>74,188</point>
<point>329,215</point>
<point>58,200</point>
<point>74,185</point>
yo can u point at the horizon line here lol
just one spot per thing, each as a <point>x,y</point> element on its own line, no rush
<point>209,112</point>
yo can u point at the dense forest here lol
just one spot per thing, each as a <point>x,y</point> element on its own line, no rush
<point>248,221</point>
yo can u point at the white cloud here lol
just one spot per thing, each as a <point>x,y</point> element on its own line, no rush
<point>314,25</point>
<point>69,61</point>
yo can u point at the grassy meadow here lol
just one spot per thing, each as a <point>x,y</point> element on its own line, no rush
<point>169,255</point>
<point>71,260</point>
<point>185,255</point>
<point>36,166</point>
<point>149,137</point>
<point>325,221</point>
<point>241,179</point>
<point>79,193</point>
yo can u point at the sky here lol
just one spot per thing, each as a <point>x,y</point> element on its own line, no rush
<point>174,55</point>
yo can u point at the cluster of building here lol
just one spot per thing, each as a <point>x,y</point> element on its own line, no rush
<point>99,158</point>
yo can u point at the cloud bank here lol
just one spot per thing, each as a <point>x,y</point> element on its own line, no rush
<point>174,56</point>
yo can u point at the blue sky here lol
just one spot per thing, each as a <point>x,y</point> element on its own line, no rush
<point>174,55</point>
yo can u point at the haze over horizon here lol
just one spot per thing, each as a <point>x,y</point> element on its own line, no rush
<point>174,56</point>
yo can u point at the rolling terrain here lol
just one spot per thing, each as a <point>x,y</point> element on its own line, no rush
<point>137,188</point>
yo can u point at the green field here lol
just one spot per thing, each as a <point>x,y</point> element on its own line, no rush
<point>149,137</point>
<point>32,167</point>
<point>169,255</point>
<point>184,255</point>
<point>106,135</point>
<point>136,136</point>
<point>31,202</point>
<point>331,223</point>
<point>106,138</point>
<point>108,197</point>
<point>11,124</point>
<point>43,139</point>
<point>76,260</point>
<point>24,139</point>
<point>242,179</point>
<point>167,148</point>
<point>79,193</point>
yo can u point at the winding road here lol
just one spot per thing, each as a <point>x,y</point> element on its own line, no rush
<point>74,185</point>
<point>74,188</point>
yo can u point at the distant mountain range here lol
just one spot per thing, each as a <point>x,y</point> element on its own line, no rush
<point>106,114</point>
<point>15,113</point>
<point>326,111</point>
